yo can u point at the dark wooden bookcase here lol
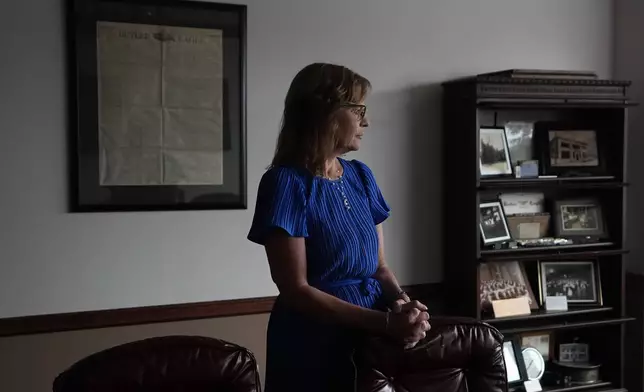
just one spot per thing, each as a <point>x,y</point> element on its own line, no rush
<point>576,100</point>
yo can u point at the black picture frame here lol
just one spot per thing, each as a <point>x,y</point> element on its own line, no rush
<point>486,236</point>
<point>595,277</point>
<point>595,233</point>
<point>506,152</point>
<point>544,130</point>
<point>227,188</point>
<point>515,369</point>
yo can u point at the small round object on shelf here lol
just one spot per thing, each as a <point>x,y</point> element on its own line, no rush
<point>535,365</point>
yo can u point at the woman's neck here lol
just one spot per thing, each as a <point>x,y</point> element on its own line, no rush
<point>332,168</point>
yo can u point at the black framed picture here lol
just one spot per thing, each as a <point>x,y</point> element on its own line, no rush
<point>492,223</point>
<point>578,281</point>
<point>515,369</point>
<point>569,149</point>
<point>582,218</point>
<point>494,153</point>
<point>157,93</point>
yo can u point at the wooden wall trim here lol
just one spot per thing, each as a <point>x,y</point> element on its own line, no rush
<point>159,314</point>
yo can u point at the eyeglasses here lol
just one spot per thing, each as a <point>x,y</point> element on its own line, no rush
<point>357,109</point>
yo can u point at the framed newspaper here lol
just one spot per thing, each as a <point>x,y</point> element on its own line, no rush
<point>157,94</point>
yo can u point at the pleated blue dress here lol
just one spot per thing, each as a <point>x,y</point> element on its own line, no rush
<point>338,220</point>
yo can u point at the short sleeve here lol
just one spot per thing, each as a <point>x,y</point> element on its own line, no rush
<point>281,204</point>
<point>377,204</point>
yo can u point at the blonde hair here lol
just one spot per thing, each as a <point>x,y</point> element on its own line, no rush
<point>308,132</point>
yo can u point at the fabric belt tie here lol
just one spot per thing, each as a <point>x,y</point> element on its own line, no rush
<point>368,286</point>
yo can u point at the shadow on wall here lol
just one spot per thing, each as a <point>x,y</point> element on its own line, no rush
<point>409,162</point>
<point>635,190</point>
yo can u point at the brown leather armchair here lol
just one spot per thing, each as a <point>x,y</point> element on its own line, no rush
<point>169,363</point>
<point>458,355</point>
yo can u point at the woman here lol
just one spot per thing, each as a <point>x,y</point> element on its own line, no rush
<point>319,218</point>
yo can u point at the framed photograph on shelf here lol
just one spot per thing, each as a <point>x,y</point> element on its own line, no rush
<point>574,353</point>
<point>519,135</point>
<point>157,93</point>
<point>504,280</point>
<point>569,149</point>
<point>582,218</point>
<point>494,153</point>
<point>514,365</point>
<point>492,223</point>
<point>578,281</point>
<point>525,214</point>
<point>522,203</point>
<point>542,341</point>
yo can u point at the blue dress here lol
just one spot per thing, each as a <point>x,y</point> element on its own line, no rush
<point>338,220</point>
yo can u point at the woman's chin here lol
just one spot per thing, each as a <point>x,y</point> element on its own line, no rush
<point>355,144</point>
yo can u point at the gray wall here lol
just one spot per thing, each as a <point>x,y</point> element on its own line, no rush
<point>629,65</point>
<point>52,261</point>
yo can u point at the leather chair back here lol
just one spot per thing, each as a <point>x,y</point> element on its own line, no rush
<point>165,364</point>
<point>457,355</point>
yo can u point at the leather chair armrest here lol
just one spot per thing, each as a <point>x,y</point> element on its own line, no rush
<point>455,349</point>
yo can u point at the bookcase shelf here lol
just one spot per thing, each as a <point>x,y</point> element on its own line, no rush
<point>563,325</point>
<point>598,387</point>
<point>540,314</point>
<point>574,251</point>
<point>494,101</point>
<point>572,182</point>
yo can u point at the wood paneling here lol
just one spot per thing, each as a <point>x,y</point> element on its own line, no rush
<point>165,313</point>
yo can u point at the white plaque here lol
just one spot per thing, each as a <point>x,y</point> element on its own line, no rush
<point>557,303</point>
<point>532,386</point>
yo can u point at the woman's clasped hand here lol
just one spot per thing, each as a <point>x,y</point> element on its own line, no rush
<point>408,322</point>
